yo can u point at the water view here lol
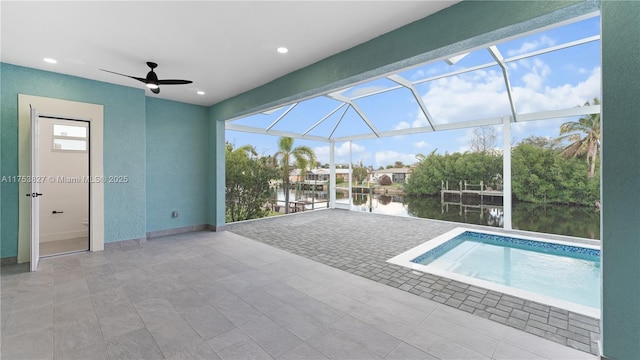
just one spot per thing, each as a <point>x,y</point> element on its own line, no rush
<point>550,218</point>
<point>578,221</point>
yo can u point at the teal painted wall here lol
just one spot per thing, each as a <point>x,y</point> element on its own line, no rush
<point>124,146</point>
<point>177,164</point>
<point>621,179</point>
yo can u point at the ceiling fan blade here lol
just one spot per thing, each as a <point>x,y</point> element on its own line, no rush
<point>129,76</point>
<point>174,82</point>
<point>156,90</point>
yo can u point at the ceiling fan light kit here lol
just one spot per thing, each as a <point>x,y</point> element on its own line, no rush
<point>152,81</point>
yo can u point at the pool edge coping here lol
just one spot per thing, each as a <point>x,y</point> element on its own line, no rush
<point>404,260</point>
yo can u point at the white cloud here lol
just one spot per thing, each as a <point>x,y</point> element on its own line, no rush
<point>482,94</point>
<point>389,157</point>
<point>421,144</point>
<point>543,41</point>
<point>358,152</point>
<point>535,78</point>
<point>561,97</point>
<point>477,95</point>
<point>402,125</point>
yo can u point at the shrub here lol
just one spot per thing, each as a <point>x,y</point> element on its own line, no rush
<point>384,180</point>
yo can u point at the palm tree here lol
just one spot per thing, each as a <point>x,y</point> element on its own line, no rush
<point>303,157</point>
<point>586,146</point>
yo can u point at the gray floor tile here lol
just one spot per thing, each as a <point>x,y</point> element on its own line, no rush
<point>231,337</point>
<point>185,300</point>
<point>469,321</point>
<point>335,346</point>
<point>118,319</point>
<point>368,336</point>
<point>236,310</point>
<point>506,351</point>
<point>245,350</point>
<point>108,298</point>
<point>76,335</point>
<point>235,344</point>
<point>299,323</point>
<point>70,290</point>
<point>34,298</point>
<point>142,291</point>
<point>174,337</point>
<point>320,311</point>
<point>157,311</point>
<point>470,339</point>
<point>285,293</point>
<point>260,300</point>
<point>138,344</point>
<point>79,309</point>
<point>200,352</point>
<point>65,276</point>
<point>96,351</point>
<point>234,283</point>
<point>383,321</point>
<point>541,346</point>
<point>29,320</point>
<point>215,272</point>
<point>29,346</point>
<point>98,282</point>
<point>272,337</point>
<point>208,322</point>
<point>303,351</point>
<point>405,351</point>
<point>35,281</point>
<point>440,347</point>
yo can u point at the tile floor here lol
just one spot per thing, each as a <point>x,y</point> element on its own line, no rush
<point>211,295</point>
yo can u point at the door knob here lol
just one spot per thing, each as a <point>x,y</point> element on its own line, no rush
<point>34,194</point>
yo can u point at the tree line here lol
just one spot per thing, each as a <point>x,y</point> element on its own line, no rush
<point>542,170</point>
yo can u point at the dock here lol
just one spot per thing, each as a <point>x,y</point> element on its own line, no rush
<point>467,193</point>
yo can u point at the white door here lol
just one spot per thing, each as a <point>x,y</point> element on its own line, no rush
<point>35,193</point>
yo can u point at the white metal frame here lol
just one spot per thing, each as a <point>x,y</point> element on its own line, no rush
<point>349,102</point>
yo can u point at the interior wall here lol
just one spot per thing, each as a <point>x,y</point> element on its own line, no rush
<point>124,147</point>
<point>177,164</point>
<point>69,197</point>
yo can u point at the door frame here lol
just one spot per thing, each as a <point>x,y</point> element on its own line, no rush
<point>94,114</point>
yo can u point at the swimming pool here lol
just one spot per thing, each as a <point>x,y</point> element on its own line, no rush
<point>556,273</point>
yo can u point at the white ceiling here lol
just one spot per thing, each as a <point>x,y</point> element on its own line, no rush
<point>225,47</point>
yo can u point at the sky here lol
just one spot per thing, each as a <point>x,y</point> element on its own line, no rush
<point>558,80</point>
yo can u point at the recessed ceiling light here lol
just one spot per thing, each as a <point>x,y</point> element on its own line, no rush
<point>200,92</point>
<point>50,60</point>
<point>282,50</point>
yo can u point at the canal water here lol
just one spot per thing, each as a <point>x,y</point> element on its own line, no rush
<point>558,219</point>
<point>576,221</point>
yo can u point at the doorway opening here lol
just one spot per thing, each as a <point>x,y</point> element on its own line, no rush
<point>83,113</point>
<point>64,166</point>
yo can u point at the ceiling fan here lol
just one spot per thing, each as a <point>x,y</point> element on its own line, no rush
<point>152,81</point>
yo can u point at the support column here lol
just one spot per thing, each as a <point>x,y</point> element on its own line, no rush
<point>332,175</point>
<point>216,217</point>
<point>620,180</point>
<point>506,172</point>
<point>350,180</point>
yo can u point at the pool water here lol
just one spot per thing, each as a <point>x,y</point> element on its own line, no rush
<point>565,272</point>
